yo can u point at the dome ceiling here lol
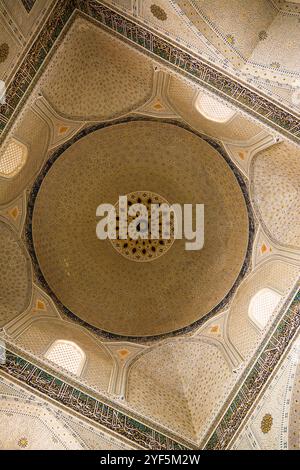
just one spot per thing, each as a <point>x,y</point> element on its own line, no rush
<point>127,128</point>
<point>90,277</point>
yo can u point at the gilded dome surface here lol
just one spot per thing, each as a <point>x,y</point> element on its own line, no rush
<point>97,283</point>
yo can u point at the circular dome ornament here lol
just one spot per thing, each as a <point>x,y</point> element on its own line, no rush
<point>4,51</point>
<point>146,247</point>
<point>88,278</point>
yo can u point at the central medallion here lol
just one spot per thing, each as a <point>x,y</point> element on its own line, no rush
<point>147,247</point>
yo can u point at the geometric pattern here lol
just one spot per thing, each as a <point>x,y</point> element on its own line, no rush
<point>13,158</point>
<point>66,355</point>
<point>262,306</point>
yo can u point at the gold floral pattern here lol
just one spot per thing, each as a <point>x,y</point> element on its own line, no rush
<point>158,12</point>
<point>266,423</point>
<point>23,442</point>
<point>230,39</point>
<point>275,65</point>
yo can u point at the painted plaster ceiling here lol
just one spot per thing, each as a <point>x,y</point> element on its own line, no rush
<point>85,273</point>
<point>259,43</point>
<point>101,118</point>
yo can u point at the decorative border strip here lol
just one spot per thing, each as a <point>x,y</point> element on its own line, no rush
<point>77,400</point>
<point>182,61</point>
<point>260,372</point>
<point>28,236</point>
